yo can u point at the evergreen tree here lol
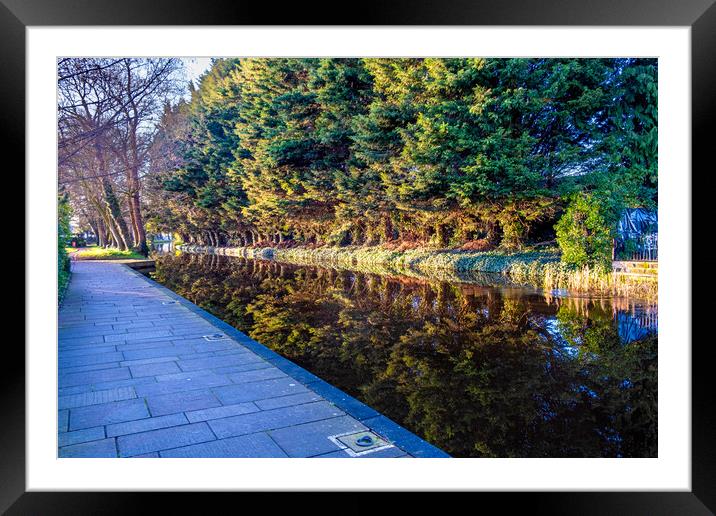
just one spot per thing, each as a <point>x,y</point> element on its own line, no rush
<point>631,136</point>
<point>441,152</point>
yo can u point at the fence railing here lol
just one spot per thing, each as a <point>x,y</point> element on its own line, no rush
<point>643,248</point>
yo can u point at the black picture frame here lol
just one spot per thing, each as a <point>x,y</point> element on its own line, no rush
<point>700,15</point>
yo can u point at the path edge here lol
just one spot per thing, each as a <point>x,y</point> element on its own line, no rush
<point>402,437</point>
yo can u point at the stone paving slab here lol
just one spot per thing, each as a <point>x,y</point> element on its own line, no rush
<point>62,420</point>
<point>182,402</point>
<point>145,425</point>
<point>274,419</point>
<point>137,378</point>
<point>97,358</point>
<point>81,436</point>
<point>248,446</point>
<point>91,367</point>
<point>287,401</point>
<point>88,377</point>
<point>188,383</point>
<point>107,413</point>
<point>221,412</point>
<point>96,397</point>
<point>106,448</point>
<point>259,390</point>
<point>312,446</point>
<point>163,439</point>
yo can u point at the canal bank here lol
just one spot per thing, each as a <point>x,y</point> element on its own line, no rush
<point>539,269</point>
<point>477,370</point>
<point>145,373</point>
<point>423,260</point>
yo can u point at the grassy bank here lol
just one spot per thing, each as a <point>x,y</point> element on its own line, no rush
<point>541,269</point>
<point>102,253</point>
<point>417,259</point>
<point>556,275</point>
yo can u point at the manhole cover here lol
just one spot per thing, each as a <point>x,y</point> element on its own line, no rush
<point>361,443</point>
<point>215,336</point>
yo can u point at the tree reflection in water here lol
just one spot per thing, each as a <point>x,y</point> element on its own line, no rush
<point>478,371</point>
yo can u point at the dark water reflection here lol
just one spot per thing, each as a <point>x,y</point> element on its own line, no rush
<point>478,371</point>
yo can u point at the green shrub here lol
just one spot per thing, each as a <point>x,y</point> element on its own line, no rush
<point>64,212</point>
<point>584,233</point>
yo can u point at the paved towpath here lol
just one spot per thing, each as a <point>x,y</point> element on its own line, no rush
<point>145,373</point>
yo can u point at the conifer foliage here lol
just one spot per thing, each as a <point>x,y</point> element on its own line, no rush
<point>432,152</point>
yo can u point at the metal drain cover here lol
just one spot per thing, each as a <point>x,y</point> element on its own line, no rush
<point>361,442</point>
<point>215,336</point>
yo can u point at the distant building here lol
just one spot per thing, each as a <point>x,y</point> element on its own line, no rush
<point>637,235</point>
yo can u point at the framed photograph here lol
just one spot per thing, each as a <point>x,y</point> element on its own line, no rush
<point>432,234</point>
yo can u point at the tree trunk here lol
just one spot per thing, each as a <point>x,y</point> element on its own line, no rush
<point>101,234</point>
<point>95,229</point>
<point>491,236</point>
<point>134,162</point>
<point>132,223</point>
<point>135,210</point>
<point>441,233</point>
<point>110,227</point>
<point>121,233</point>
<point>110,199</point>
<point>387,228</point>
<point>115,213</point>
<point>113,240</point>
<point>135,213</point>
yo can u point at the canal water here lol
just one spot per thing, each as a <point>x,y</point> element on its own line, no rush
<point>476,367</point>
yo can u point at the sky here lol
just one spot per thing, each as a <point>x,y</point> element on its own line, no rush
<point>195,66</point>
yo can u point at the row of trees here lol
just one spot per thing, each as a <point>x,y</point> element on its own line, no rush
<point>108,111</point>
<point>482,152</point>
